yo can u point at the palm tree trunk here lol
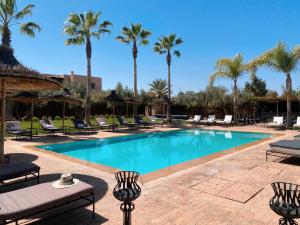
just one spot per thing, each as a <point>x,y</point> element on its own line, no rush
<point>6,36</point>
<point>169,85</point>
<point>89,78</point>
<point>288,100</point>
<point>235,108</point>
<point>134,53</point>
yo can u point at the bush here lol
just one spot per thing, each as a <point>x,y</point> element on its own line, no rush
<point>57,118</point>
<point>35,118</point>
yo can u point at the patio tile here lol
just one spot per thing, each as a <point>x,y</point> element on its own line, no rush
<point>213,185</point>
<point>240,192</point>
<point>233,175</point>
<point>267,169</point>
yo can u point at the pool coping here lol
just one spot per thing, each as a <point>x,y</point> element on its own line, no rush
<point>164,171</point>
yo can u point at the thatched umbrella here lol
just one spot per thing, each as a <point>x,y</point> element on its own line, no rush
<point>113,98</point>
<point>64,98</point>
<point>16,77</point>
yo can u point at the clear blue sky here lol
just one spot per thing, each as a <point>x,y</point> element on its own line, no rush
<point>210,29</point>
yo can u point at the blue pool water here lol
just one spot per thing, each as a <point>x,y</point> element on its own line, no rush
<point>146,153</point>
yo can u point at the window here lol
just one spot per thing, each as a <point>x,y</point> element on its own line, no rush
<point>93,86</point>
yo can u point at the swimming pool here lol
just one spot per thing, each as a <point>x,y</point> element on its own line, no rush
<point>150,152</point>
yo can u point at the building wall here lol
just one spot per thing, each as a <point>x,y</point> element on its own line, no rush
<point>96,84</point>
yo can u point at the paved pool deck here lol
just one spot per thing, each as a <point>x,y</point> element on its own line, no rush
<point>233,189</point>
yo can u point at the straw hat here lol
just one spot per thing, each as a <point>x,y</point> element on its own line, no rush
<point>66,180</point>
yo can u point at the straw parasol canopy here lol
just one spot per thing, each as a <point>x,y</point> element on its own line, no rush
<point>113,98</point>
<point>16,77</point>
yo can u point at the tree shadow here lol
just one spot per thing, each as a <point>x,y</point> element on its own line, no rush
<point>22,157</point>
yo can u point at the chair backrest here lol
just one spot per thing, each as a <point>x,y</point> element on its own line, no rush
<point>13,125</point>
<point>278,119</point>
<point>138,119</point>
<point>298,120</point>
<point>228,118</point>
<point>211,118</point>
<point>197,118</point>
<point>101,120</point>
<point>45,124</point>
<point>124,120</point>
<point>79,123</point>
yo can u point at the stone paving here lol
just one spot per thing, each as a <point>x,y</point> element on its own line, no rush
<point>230,190</point>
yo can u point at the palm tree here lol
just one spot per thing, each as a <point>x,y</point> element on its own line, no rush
<point>159,87</point>
<point>82,28</point>
<point>281,59</point>
<point>165,45</point>
<point>10,15</point>
<point>231,69</point>
<point>138,37</point>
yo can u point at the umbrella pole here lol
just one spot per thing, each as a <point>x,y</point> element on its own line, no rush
<point>63,117</point>
<point>113,114</point>
<point>3,102</point>
<point>31,121</point>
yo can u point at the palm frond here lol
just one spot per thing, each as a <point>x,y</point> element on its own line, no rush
<point>75,41</point>
<point>29,28</point>
<point>26,11</point>
<point>177,53</point>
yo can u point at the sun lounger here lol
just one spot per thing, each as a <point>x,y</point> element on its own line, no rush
<point>81,125</point>
<point>227,120</point>
<point>14,128</point>
<point>297,124</point>
<point>124,123</point>
<point>104,125</point>
<point>285,147</point>
<point>48,126</point>
<point>139,120</point>
<point>155,121</point>
<point>277,122</point>
<point>195,120</point>
<point>27,202</point>
<point>10,171</point>
<point>209,121</point>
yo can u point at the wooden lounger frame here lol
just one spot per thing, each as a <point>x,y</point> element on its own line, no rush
<point>90,200</point>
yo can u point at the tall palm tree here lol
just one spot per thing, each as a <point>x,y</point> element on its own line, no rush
<point>281,59</point>
<point>10,15</point>
<point>231,68</point>
<point>165,45</point>
<point>137,36</point>
<point>82,28</point>
<point>159,87</point>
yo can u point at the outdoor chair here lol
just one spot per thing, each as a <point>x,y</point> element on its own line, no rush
<point>277,122</point>
<point>286,202</point>
<point>297,124</point>
<point>14,128</point>
<point>124,123</point>
<point>227,120</point>
<point>209,121</point>
<point>81,125</point>
<point>30,201</point>
<point>139,120</point>
<point>155,120</point>
<point>104,125</point>
<point>10,171</point>
<point>49,127</point>
<point>195,120</point>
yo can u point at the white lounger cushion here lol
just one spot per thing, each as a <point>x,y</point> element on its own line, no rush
<point>297,124</point>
